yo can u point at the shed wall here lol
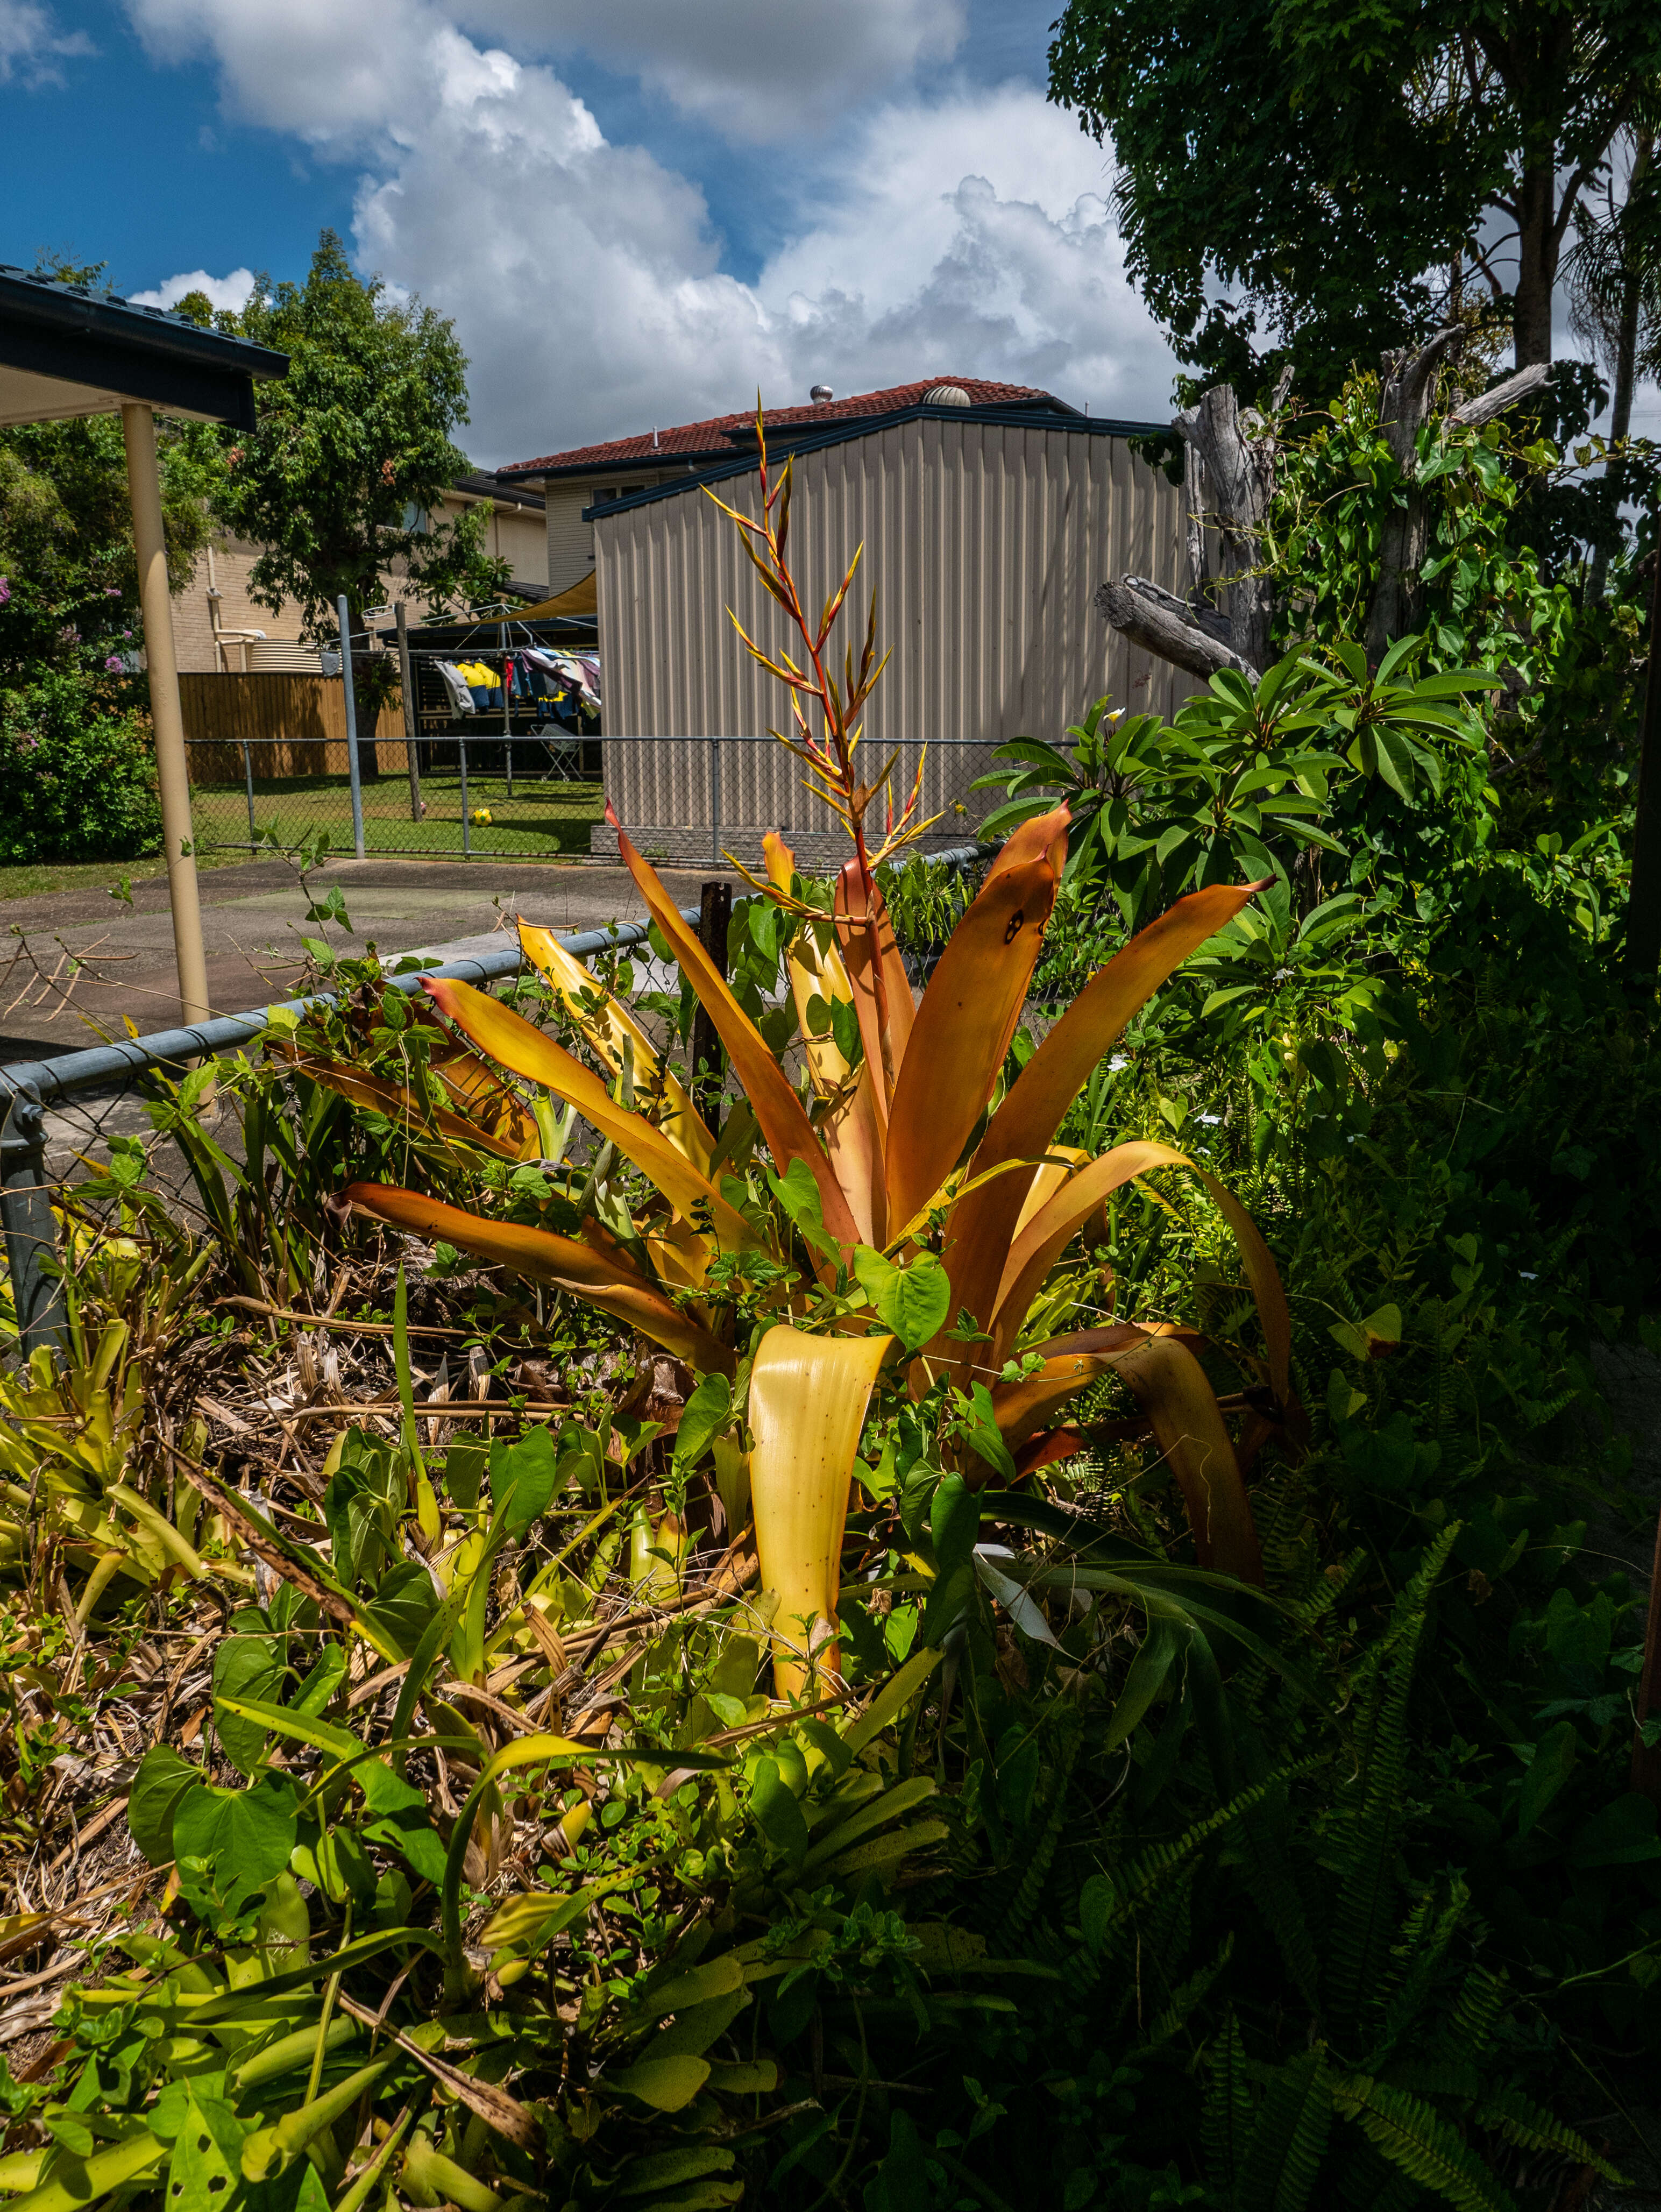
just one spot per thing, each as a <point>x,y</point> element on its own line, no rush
<point>985,543</point>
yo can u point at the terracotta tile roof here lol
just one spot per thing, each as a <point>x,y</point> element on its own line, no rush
<point>714,439</point>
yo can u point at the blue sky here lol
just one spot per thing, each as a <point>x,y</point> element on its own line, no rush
<point>635,210</point>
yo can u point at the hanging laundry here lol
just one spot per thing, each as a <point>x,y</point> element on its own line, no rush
<point>461,696</point>
<point>481,680</point>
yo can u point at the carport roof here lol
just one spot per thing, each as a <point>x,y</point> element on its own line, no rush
<point>66,349</point>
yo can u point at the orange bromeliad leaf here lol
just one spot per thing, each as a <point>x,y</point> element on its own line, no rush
<point>962,1031</point>
<point>477,1088</point>
<point>777,1110</point>
<point>1070,1365</point>
<point>1045,836</point>
<point>1051,1230</point>
<point>1060,1162</point>
<point>1169,1385</point>
<point>881,989</point>
<point>398,1102</point>
<point>1171,1390</point>
<point>511,1040</point>
<point>605,1278</point>
<point>853,1144</point>
<point>979,1234</point>
<point>808,1396</point>
<point>614,1034</point>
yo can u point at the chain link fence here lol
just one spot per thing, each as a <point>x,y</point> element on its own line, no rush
<point>544,794</point>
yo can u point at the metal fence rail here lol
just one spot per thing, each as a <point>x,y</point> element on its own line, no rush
<point>27,1088</point>
<point>471,793</point>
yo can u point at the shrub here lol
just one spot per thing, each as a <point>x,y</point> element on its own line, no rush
<point>77,775</point>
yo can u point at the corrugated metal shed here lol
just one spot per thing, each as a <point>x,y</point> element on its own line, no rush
<point>984,540</point>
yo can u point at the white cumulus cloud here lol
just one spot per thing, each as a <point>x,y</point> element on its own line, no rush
<point>31,46</point>
<point>232,291</point>
<point>964,234</point>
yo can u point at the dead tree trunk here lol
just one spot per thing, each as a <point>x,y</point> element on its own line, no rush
<point>1409,380</point>
<point>1232,454</point>
<point>1231,464</point>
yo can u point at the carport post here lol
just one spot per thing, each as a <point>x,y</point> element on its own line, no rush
<point>411,726</point>
<point>171,775</point>
<point>351,724</point>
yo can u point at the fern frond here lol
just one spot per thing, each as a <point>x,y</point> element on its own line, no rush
<point>1266,1861</point>
<point>1145,1872</point>
<point>1225,2114</point>
<point>1356,1941</point>
<point>1530,2127</point>
<point>1414,2137</point>
<point>1185,1999</point>
<point>1042,1849</point>
<point>1470,2028</point>
<point>1328,1589</point>
<point>1417,1957</point>
<point>1288,2140</point>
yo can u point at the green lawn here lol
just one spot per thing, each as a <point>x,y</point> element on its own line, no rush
<point>38,878</point>
<point>550,820</point>
<point>542,821</point>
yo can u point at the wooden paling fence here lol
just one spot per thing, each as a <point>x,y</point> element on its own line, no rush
<point>292,724</point>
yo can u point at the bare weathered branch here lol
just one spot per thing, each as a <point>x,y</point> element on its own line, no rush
<point>1202,617</point>
<point>1486,404</point>
<point>1176,637</point>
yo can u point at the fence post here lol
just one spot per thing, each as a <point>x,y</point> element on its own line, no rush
<point>248,780</point>
<point>507,714</point>
<point>461,754</point>
<point>411,726</point>
<point>31,1232</point>
<point>345,616</point>
<point>715,808</point>
<point>714,915</point>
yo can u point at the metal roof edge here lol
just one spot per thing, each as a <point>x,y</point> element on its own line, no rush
<point>866,426</point>
<point>110,320</point>
<point>1042,404</point>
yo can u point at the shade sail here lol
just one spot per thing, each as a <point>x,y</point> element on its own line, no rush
<point>581,599</point>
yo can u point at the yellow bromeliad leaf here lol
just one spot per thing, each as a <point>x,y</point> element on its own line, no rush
<point>604,1277</point>
<point>813,975</point>
<point>808,1396</point>
<point>614,1034</point>
<point>511,1040</point>
<point>779,1112</point>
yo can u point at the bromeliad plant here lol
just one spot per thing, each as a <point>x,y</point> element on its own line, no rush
<point>902,1197</point>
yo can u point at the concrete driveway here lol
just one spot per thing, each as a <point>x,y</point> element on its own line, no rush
<point>79,958</point>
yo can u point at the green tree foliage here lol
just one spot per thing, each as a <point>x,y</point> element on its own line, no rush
<point>353,448</point>
<point>1318,161</point>
<point>77,773</point>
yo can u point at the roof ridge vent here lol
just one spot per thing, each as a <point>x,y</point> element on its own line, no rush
<point>947,395</point>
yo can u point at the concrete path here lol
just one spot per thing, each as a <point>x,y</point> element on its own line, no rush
<point>78,957</point>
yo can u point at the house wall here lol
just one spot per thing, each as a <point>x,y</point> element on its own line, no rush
<point>570,539</point>
<point>985,543</point>
<point>515,534</point>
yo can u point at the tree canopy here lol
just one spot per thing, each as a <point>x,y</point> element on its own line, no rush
<point>1299,178</point>
<point>345,475</point>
